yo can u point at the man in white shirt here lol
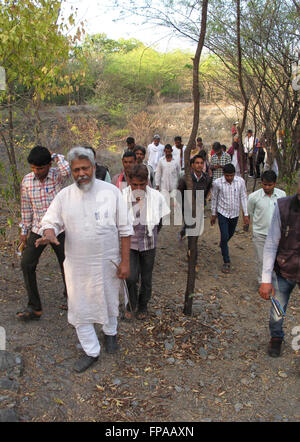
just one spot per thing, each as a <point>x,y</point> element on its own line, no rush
<point>167,172</point>
<point>248,149</point>
<point>95,219</point>
<point>261,205</point>
<point>178,153</point>
<point>155,151</point>
<point>229,192</point>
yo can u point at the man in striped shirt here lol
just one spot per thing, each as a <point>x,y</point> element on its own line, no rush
<point>147,206</point>
<point>218,160</point>
<point>38,189</point>
<point>229,192</point>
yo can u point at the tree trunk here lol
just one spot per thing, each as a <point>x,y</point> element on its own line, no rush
<point>241,83</point>
<point>11,148</point>
<point>192,240</point>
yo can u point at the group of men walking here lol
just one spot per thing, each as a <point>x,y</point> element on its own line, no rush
<point>105,229</point>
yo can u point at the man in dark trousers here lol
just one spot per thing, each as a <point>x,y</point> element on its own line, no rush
<point>38,189</point>
<point>201,181</point>
<point>281,254</point>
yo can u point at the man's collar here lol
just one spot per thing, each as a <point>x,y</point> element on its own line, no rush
<point>50,172</point>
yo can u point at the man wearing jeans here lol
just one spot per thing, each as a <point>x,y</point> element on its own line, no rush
<point>261,205</point>
<point>281,253</point>
<point>228,193</point>
<point>147,206</point>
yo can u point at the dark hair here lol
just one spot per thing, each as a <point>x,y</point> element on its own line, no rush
<point>141,148</point>
<point>168,146</point>
<point>269,176</point>
<point>128,154</point>
<point>224,147</point>
<point>250,131</point>
<point>192,160</point>
<point>199,139</point>
<point>130,140</point>
<point>39,156</point>
<point>178,138</point>
<point>139,171</point>
<point>91,148</point>
<point>202,153</point>
<point>216,146</point>
<point>229,169</point>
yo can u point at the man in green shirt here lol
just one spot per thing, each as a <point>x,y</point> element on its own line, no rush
<point>261,205</point>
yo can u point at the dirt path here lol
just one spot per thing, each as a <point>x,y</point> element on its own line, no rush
<point>212,366</point>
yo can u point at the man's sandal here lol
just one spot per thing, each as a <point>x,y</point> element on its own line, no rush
<point>29,315</point>
<point>141,315</point>
<point>127,316</point>
<point>226,268</point>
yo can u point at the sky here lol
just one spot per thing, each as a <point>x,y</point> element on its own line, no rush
<point>100,19</point>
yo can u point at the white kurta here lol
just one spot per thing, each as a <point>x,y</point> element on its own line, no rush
<point>92,222</point>
<point>154,154</point>
<point>167,174</point>
<point>176,155</point>
<point>235,162</point>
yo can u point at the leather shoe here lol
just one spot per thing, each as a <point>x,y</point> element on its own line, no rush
<point>110,343</point>
<point>84,363</point>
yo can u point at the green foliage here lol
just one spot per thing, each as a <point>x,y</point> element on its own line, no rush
<point>32,46</point>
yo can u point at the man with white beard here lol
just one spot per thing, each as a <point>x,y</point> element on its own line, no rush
<point>93,215</point>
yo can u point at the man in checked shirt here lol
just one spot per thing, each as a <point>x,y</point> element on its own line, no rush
<point>38,189</point>
<point>229,192</point>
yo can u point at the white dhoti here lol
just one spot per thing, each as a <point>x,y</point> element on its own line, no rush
<point>88,338</point>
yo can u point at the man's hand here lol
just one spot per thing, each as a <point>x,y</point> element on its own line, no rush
<point>48,236</point>
<point>213,220</point>
<point>265,290</point>
<point>23,239</point>
<point>246,220</point>
<point>123,271</point>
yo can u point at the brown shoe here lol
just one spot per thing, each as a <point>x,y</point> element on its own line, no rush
<point>274,347</point>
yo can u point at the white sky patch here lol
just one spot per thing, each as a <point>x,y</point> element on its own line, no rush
<point>101,19</point>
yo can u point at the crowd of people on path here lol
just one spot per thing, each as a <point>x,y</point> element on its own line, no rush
<point>105,229</point>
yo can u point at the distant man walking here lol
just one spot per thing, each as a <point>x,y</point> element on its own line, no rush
<point>261,205</point>
<point>167,172</point>
<point>249,150</point>
<point>228,193</point>
<point>178,153</point>
<point>154,152</point>
<point>281,254</point>
<point>218,160</point>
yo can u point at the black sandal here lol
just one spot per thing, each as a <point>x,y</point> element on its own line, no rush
<point>28,315</point>
<point>226,267</point>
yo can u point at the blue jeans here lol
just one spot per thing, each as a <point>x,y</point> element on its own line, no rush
<point>283,288</point>
<point>227,228</point>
